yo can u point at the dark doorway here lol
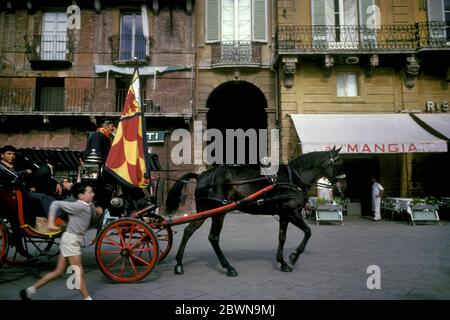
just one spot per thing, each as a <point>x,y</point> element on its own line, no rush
<point>359,171</point>
<point>436,175</point>
<point>50,94</point>
<point>238,105</point>
<point>122,86</point>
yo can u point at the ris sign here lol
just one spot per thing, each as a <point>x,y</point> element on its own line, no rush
<point>432,106</point>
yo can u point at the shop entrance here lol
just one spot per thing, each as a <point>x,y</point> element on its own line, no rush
<point>359,170</point>
<point>238,105</point>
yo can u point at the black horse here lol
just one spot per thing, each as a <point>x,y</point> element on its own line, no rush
<point>224,184</point>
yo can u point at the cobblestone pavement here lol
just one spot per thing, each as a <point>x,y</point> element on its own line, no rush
<point>414,262</point>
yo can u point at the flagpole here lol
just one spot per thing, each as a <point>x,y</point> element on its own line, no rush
<point>144,127</point>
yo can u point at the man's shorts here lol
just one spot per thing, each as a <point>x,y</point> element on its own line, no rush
<point>70,245</point>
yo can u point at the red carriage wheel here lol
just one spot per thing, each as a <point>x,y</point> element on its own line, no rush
<point>164,234</point>
<point>165,239</point>
<point>23,250</point>
<point>126,250</point>
<point>3,241</point>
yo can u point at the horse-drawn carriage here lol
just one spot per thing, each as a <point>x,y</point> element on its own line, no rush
<point>128,248</point>
<point>23,237</point>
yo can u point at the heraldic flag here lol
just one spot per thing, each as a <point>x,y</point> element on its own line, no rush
<point>127,159</point>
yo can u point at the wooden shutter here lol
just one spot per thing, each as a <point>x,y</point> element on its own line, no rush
<point>212,20</point>
<point>365,12</point>
<point>318,20</point>
<point>318,12</point>
<point>367,23</point>
<point>260,20</point>
<point>435,11</point>
<point>228,26</point>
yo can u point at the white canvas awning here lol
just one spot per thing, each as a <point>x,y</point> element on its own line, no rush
<point>144,71</point>
<point>439,122</point>
<point>364,133</point>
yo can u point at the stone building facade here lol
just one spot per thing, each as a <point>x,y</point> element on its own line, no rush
<point>236,86</point>
<point>65,68</point>
<point>367,57</point>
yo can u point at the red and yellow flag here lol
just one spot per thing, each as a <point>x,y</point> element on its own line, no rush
<point>127,157</point>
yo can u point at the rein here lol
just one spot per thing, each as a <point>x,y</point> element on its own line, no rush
<point>227,183</point>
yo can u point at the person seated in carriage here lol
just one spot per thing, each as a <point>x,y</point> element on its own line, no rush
<point>37,203</point>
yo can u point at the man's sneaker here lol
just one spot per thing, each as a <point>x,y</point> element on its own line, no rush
<point>24,295</point>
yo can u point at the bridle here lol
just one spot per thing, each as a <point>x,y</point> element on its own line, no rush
<point>335,177</point>
<point>333,180</point>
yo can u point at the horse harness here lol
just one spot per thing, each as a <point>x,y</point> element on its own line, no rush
<point>294,187</point>
<point>293,190</point>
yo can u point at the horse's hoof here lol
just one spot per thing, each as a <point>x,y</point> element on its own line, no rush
<point>286,268</point>
<point>232,273</point>
<point>179,269</point>
<point>293,258</point>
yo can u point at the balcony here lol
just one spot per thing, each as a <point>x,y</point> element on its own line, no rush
<point>159,102</point>
<point>82,101</point>
<point>50,51</point>
<point>51,100</point>
<point>362,39</point>
<point>126,47</point>
<point>236,53</point>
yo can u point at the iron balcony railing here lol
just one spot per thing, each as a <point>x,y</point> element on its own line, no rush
<point>47,99</point>
<point>158,101</point>
<point>236,53</point>
<point>60,100</point>
<point>349,37</point>
<point>126,47</point>
<point>50,47</point>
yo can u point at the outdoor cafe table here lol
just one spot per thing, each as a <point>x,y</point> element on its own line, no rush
<point>418,212</point>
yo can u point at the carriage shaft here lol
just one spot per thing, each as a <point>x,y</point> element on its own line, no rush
<point>209,213</point>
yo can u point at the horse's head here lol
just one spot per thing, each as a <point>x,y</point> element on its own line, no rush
<point>333,169</point>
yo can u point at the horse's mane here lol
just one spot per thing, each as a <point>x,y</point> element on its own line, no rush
<point>309,160</point>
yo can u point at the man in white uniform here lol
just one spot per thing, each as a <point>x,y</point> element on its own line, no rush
<point>377,193</point>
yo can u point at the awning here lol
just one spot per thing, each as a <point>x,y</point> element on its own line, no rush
<point>144,71</point>
<point>62,159</point>
<point>439,122</point>
<point>364,133</point>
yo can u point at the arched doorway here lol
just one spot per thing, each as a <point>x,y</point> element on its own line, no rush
<point>238,105</point>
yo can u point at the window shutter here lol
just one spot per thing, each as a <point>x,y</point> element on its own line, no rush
<point>245,20</point>
<point>368,23</point>
<point>260,20</point>
<point>435,9</point>
<point>329,13</point>
<point>228,31</point>
<point>366,8</point>
<point>318,12</point>
<point>318,21</point>
<point>322,17</point>
<point>212,20</point>
<point>436,26</point>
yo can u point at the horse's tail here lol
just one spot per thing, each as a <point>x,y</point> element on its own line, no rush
<point>174,195</point>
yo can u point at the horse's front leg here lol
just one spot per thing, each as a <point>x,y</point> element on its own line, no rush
<point>214,236</point>
<point>187,233</point>
<point>298,221</point>
<point>281,240</point>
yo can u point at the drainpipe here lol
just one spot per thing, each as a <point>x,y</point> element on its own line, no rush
<point>277,80</point>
